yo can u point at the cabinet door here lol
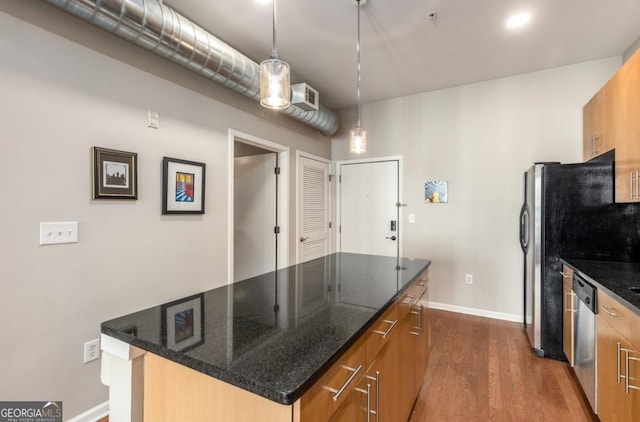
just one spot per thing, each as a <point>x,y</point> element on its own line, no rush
<point>406,370</point>
<point>597,123</point>
<point>568,314</point>
<point>422,339</point>
<point>613,403</point>
<point>383,378</point>
<point>627,131</point>
<point>355,405</point>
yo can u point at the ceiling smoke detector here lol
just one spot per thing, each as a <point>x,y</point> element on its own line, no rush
<point>433,15</point>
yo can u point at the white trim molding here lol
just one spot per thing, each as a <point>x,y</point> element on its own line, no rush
<point>477,312</point>
<point>94,414</point>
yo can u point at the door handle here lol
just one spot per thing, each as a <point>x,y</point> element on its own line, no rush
<point>391,237</point>
<point>303,238</point>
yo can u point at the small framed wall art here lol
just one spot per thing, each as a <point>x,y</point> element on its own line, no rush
<point>182,186</point>
<point>115,174</point>
<point>435,191</point>
<point>183,323</point>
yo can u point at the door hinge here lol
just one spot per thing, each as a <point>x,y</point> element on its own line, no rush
<point>276,229</point>
<point>340,228</point>
<point>276,170</point>
<point>329,224</point>
<point>276,308</point>
<point>330,177</point>
<point>340,179</point>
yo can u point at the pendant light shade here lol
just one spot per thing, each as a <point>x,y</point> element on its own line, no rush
<point>275,85</point>
<point>358,138</point>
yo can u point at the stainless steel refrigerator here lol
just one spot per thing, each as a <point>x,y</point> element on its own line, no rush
<point>568,212</point>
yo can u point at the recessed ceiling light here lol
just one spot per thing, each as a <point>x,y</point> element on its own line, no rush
<point>518,20</point>
<point>262,1</point>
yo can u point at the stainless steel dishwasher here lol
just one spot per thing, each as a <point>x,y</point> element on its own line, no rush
<point>585,338</point>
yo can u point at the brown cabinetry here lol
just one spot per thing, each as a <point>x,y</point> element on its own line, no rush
<point>610,121</point>
<point>627,131</point>
<point>568,318</point>
<point>397,354</point>
<point>618,362</point>
<point>597,121</point>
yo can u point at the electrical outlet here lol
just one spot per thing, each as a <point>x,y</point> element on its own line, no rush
<point>92,350</point>
<point>468,279</point>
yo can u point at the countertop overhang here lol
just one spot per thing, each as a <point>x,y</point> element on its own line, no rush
<point>616,278</point>
<point>274,334</point>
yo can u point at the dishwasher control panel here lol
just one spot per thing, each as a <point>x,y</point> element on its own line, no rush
<point>586,292</point>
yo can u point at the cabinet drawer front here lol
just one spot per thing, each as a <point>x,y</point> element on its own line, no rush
<point>381,331</point>
<point>614,313</point>
<point>412,294</point>
<point>318,404</point>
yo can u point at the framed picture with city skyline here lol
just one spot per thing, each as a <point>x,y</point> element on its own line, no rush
<point>182,186</point>
<point>115,174</point>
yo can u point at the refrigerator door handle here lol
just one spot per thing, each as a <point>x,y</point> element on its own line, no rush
<point>524,227</point>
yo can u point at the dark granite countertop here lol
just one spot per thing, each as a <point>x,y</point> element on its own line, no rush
<point>614,277</point>
<point>275,334</point>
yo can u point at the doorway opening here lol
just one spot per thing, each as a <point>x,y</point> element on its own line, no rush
<point>258,206</point>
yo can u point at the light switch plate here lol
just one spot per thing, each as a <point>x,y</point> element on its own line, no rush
<point>153,119</point>
<point>412,217</point>
<point>59,232</point>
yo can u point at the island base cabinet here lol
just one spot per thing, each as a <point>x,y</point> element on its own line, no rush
<point>173,392</point>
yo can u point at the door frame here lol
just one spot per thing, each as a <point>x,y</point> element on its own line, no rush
<point>298,188</point>
<point>337,172</point>
<point>283,195</point>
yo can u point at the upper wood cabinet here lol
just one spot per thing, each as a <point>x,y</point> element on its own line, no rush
<point>597,124</point>
<point>610,121</point>
<point>627,131</point>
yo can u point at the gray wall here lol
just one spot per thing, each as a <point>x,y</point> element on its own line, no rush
<point>66,87</point>
<point>480,138</point>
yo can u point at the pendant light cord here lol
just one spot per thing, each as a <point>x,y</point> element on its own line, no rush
<point>358,68</point>
<point>274,51</point>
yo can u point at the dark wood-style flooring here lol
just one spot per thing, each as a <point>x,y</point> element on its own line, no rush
<point>482,369</point>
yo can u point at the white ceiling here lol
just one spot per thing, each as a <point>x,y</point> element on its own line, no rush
<point>403,52</point>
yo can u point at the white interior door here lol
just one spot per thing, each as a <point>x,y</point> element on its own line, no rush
<point>254,215</point>
<point>369,194</point>
<point>314,235</point>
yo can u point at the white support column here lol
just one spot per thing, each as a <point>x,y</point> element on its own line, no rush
<point>122,372</point>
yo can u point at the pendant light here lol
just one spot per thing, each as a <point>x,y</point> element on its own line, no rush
<point>275,87</point>
<point>358,138</point>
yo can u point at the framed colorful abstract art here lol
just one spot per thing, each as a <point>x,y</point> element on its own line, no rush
<point>182,186</point>
<point>183,323</point>
<point>435,191</point>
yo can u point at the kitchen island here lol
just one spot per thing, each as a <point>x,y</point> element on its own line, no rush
<point>270,343</point>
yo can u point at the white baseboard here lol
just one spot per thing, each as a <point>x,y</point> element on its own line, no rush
<point>477,312</point>
<point>93,415</point>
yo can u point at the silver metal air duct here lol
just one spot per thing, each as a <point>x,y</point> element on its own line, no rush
<point>160,29</point>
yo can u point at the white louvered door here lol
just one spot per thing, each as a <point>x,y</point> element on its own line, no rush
<point>313,209</point>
